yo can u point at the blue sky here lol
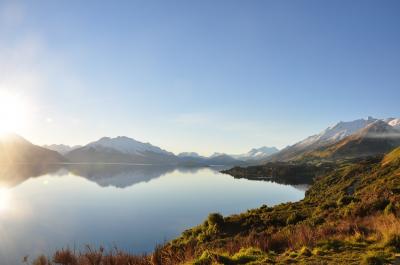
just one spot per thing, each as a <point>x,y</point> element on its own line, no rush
<point>203,76</point>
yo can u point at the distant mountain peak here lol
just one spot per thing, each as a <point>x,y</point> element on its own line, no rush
<point>216,154</point>
<point>189,154</point>
<point>121,149</point>
<point>336,132</point>
<point>125,145</point>
<point>61,148</point>
<point>257,153</point>
<point>394,122</point>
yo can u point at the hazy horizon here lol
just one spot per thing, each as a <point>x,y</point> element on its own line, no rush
<point>202,77</point>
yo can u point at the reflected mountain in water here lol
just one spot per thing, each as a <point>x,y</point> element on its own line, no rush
<point>14,174</point>
<point>105,175</point>
<point>118,175</point>
<point>115,175</point>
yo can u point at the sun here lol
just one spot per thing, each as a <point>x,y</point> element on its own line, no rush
<point>13,112</point>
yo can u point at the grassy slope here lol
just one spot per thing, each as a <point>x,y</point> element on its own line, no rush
<point>349,216</point>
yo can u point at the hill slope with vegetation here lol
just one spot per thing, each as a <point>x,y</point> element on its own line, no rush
<point>348,216</point>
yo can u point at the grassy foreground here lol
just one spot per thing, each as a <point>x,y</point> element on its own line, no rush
<point>349,216</point>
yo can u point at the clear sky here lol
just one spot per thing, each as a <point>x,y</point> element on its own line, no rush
<point>198,75</point>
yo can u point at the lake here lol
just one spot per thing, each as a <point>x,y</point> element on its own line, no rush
<point>130,206</point>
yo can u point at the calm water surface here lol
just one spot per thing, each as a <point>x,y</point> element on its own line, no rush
<point>132,207</point>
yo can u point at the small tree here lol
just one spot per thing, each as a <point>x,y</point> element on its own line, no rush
<point>215,219</point>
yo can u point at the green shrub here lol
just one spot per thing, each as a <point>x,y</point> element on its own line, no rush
<point>294,218</point>
<point>374,258</point>
<point>361,210</point>
<point>318,252</point>
<point>203,237</point>
<point>204,259</point>
<point>328,205</point>
<point>389,209</point>
<point>393,241</point>
<point>317,221</point>
<point>333,244</point>
<point>215,219</point>
<point>345,200</point>
<point>187,233</point>
<point>245,256</point>
<point>305,251</point>
<point>379,205</point>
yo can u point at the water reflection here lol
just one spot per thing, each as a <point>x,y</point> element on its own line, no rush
<point>120,176</point>
<point>133,207</point>
<point>117,175</point>
<point>13,175</point>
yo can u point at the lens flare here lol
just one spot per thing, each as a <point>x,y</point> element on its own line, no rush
<point>13,112</point>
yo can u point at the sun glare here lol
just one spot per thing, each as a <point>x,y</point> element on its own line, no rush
<point>13,112</point>
<point>4,199</point>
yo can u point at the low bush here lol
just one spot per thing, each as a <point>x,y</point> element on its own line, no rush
<point>393,241</point>
<point>41,260</point>
<point>374,258</point>
<point>215,219</point>
<point>294,218</point>
<point>345,200</point>
<point>389,209</point>
<point>204,259</point>
<point>333,244</point>
<point>305,251</point>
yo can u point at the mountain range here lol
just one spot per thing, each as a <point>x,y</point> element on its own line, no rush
<point>15,150</point>
<point>358,138</point>
<point>122,149</point>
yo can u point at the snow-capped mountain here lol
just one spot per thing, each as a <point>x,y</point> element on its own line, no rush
<point>194,159</point>
<point>121,150</point>
<point>394,122</point>
<point>336,132</point>
<point>126,145</point>
<point>377,138</point>
<point>254,155</point>
<point>328,136</point>
<point>217,154</point>
<point>257,153</point>
<point>189,154</point>
<point>61,148</point>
